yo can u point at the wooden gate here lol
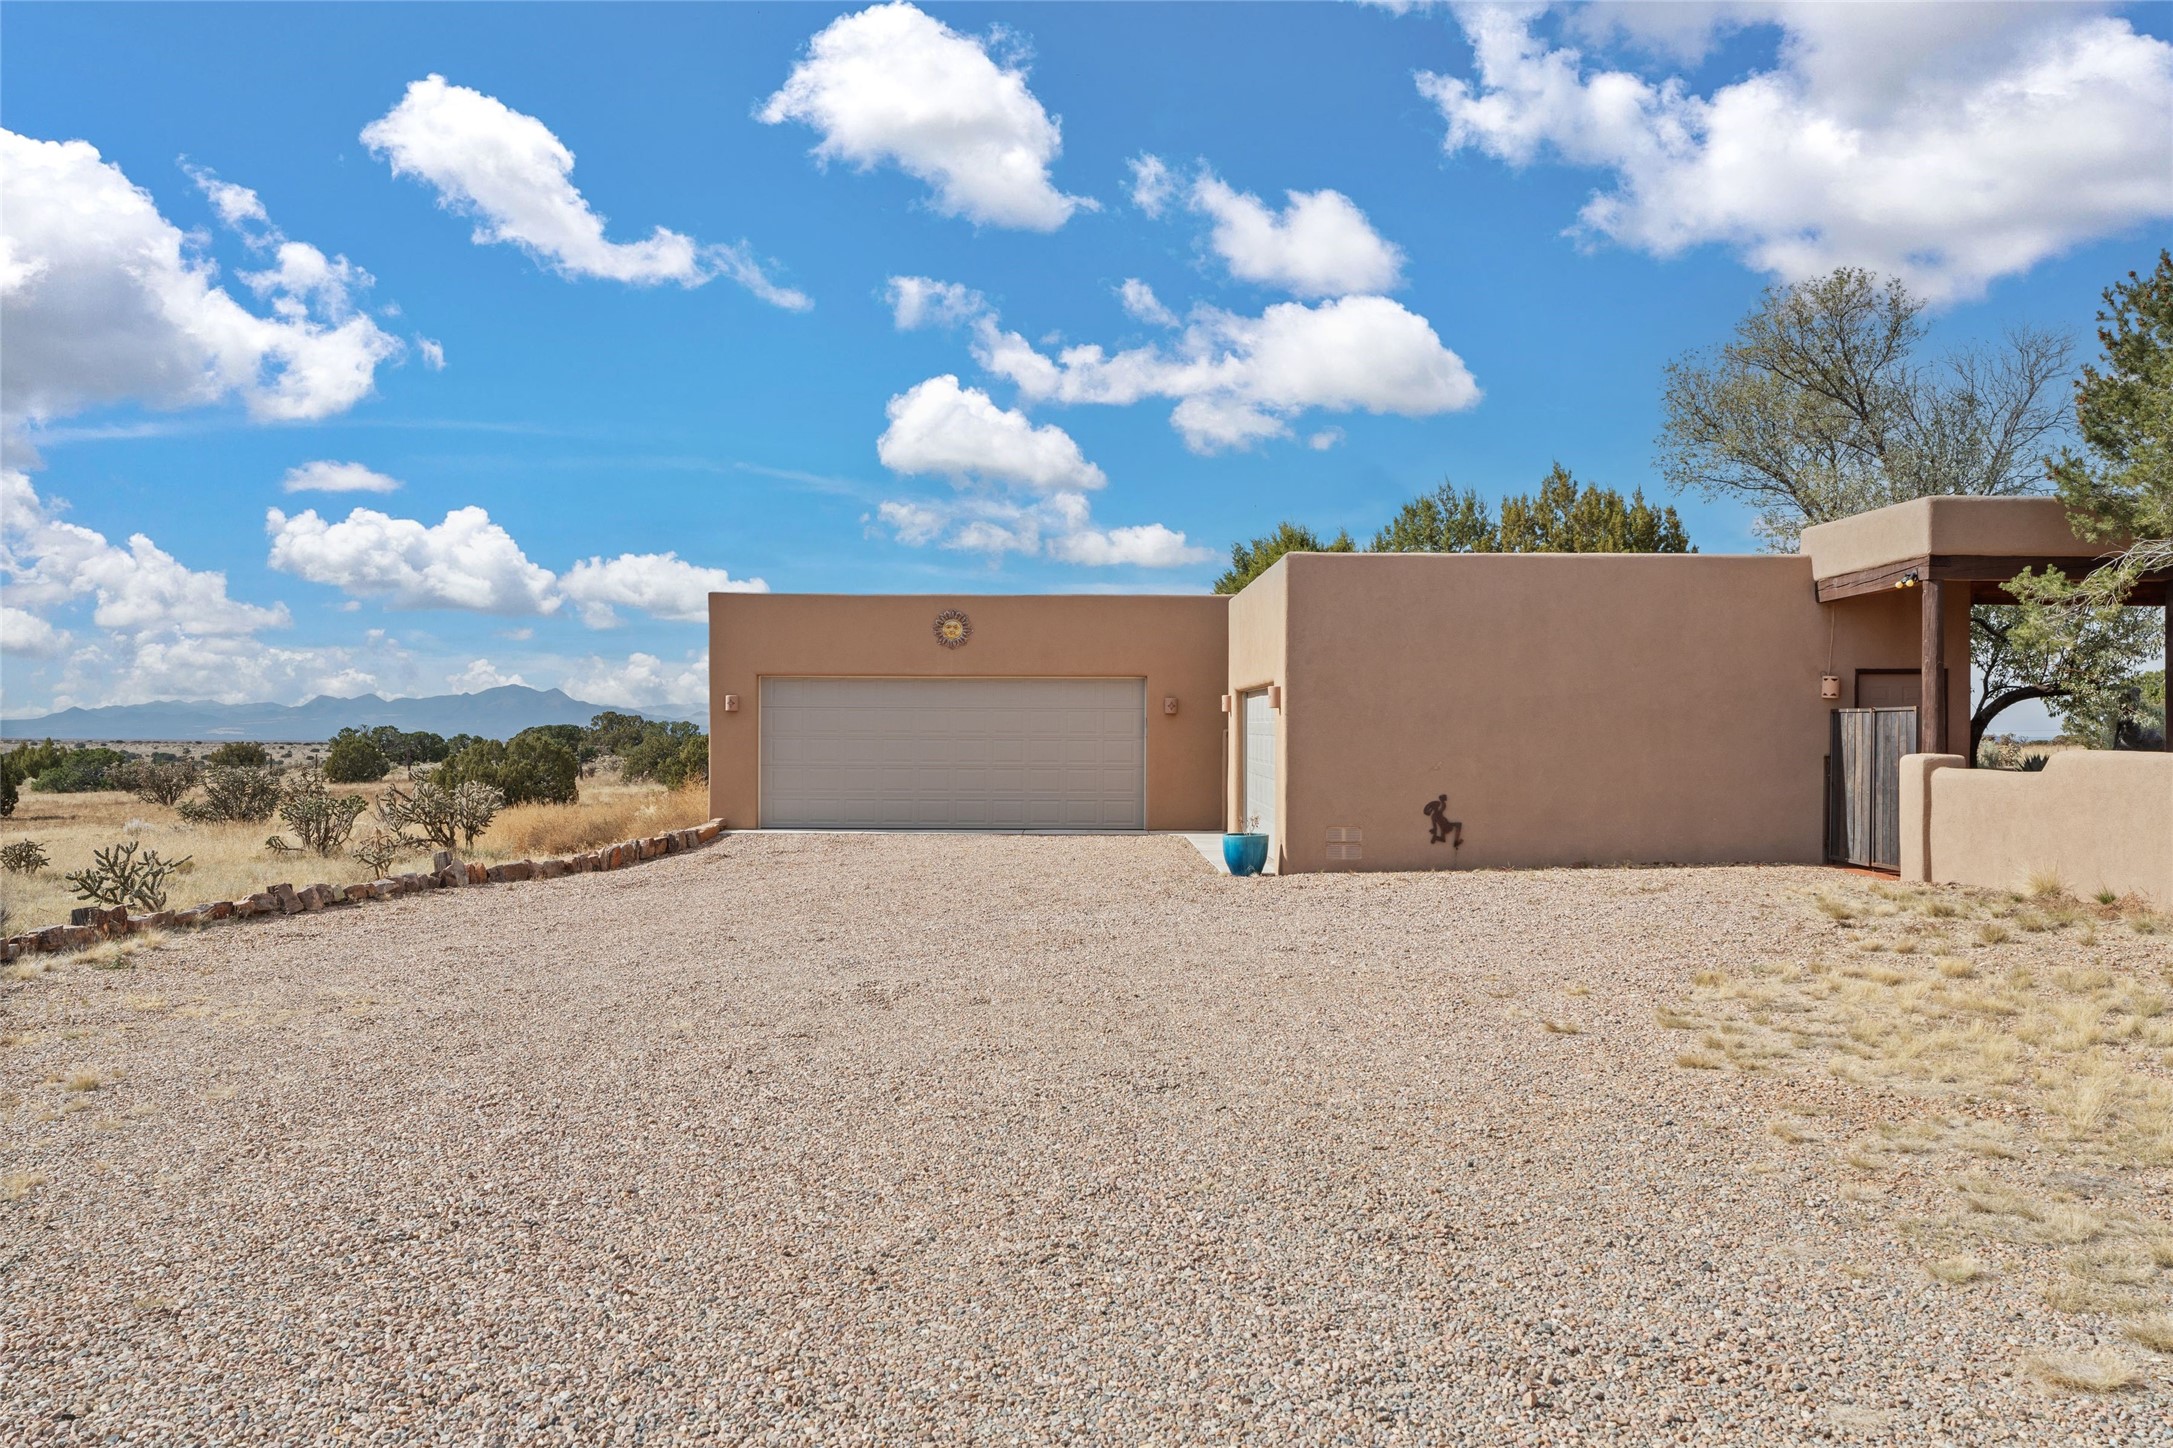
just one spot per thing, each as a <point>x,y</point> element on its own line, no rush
<point>1863,785</point>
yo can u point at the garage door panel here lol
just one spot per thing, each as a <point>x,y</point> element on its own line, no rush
<point>1022,754</point>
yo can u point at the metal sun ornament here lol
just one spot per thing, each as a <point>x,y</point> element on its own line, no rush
<point>953,629</point>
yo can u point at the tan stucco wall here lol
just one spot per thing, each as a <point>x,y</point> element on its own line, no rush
<point>1575,708</point>
<point>2097,820</point>
<point>2018,527</point>
<point>1259,618</point>
<point>1178,644</point>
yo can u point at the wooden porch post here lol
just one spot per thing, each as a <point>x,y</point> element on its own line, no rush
<point>1931,713</point>
<point>2168,742</point>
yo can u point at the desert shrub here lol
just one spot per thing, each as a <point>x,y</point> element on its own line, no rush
<point>531,768</point>
<point>574,736</point>
<point>234,793</point>
<point>9,790</point>
<point>446,812</point>
<point>239,754</point>
<point>157,781</point>
<point>23,857</point>
<point>669,753</point>
<point>355,758</point>
<point>80,771</point>
<point>408,748</point>
<point>321,819</point>
<point>119,876</point>
<point>377,850</point>
<point>614,733</point>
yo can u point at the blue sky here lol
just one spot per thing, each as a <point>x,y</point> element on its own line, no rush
<point>1440,297</point>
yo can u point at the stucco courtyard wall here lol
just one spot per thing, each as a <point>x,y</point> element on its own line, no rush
<point>1259,619</point>
<point>2093,819</point>
<point>1575,709</point>
<point>1178,644</point>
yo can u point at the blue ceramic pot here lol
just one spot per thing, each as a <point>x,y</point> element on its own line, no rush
<point>1245,854</point>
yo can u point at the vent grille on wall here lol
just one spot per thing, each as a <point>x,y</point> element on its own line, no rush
<point>1346,843</point>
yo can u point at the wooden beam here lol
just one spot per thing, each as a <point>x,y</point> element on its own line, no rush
<point>1872,580</point>
<point>1931,712</point>
<point>1985,571</point>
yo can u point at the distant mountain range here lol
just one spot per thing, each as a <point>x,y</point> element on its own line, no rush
<point>494,714</point>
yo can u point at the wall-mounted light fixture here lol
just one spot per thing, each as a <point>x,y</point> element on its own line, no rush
<point>1169,703</point>
<point>1275,697</point>
<point>1226,703</point>
<point>1829,686</point>
<point>731,703</point>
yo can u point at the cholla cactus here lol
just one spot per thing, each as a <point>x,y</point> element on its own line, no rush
<point>119,876</point>
<point>321,818</point>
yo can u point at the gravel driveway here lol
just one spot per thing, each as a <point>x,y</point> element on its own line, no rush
<point>850,1139</point>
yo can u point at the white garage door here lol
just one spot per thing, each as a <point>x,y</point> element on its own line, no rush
<point>1259,796</point>
<point>970,754</point>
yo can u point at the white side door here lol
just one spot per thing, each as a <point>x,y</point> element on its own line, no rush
<point>1257,801</point>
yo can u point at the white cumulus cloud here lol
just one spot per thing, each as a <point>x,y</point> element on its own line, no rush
<point>958,433</point>
<point>103,300</point>
<point>481,674</point>
<point>1152,184</point>
<point>1947,144</point>
<point>892,85</point>
<point>465,562</point>
<point>1150,545</point>
<point>643,681</point>
<point>1021,487</point>
<point>508,171</point>
<point>917,302</point>
<point>1319,245</point>
<point>331,477</point>
<point>1238,380</point>
<point>662,585</point>
<point>1143,305</point>
<point>163,630</point>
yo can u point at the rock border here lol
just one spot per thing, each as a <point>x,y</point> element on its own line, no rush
<point>90,924</point>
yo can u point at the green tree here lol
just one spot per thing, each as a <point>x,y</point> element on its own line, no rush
<point>669,752</point>
<point>408,748</point>
<point>2120,487</point>
<point>539,769</point>
<point>355,758</point>
<point>2078,657</point>
<point>1442,521</point>
<point>82,771</point>
<point>1249,560</point>
<point>239,754</point>
<point>531,768</point>
<point>612,732</point>
<point>1564,517</point>
<point>2122,484</point>
<point>574,736</point>
<point>1818,408</point>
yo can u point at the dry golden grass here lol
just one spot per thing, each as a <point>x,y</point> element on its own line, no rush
<point>1562,1028</point>
<point>2081,1372</point>
<point>229,861</point>
<point>2052,1068</point>
<point>2154,1332</point>
<point>17,1185</point>
<point>1957,1271</point>
<point>606,814</point>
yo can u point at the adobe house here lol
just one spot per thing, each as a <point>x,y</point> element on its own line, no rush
<point>1384,711</point>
